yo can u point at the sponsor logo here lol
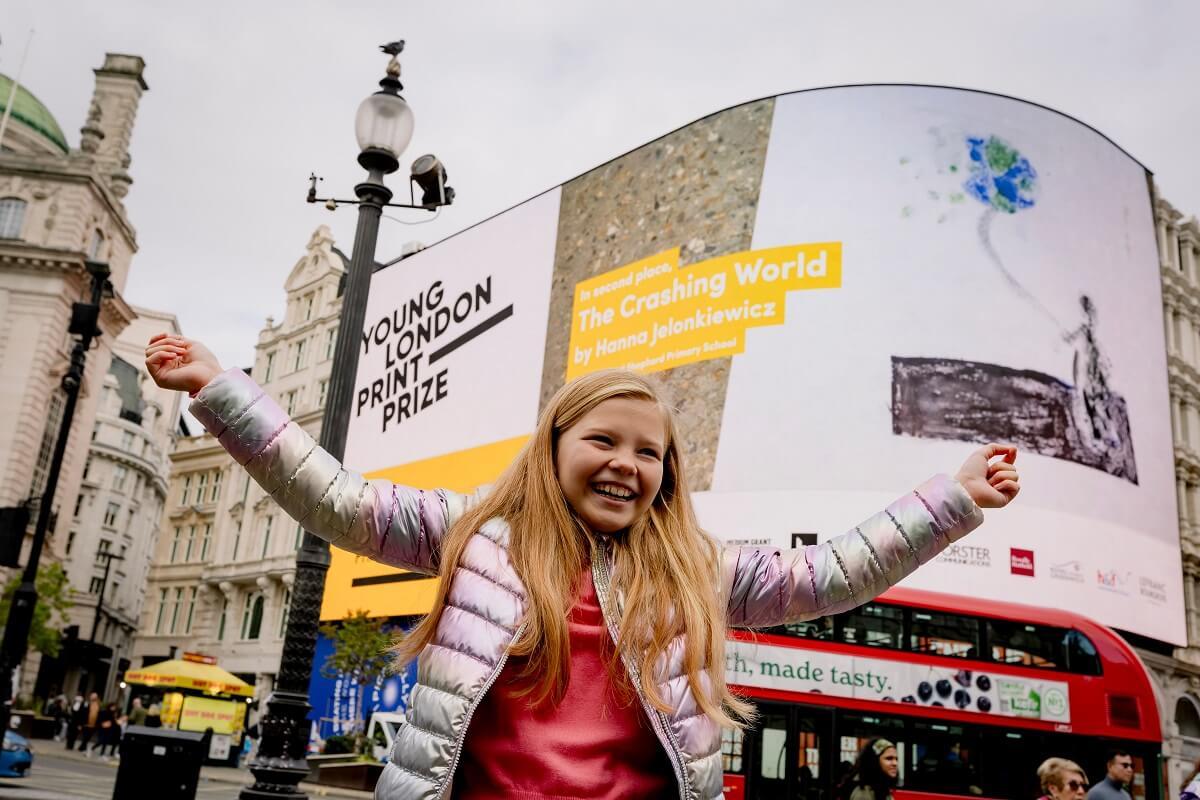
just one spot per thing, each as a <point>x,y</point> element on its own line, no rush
<point>1055,702</point>
<point>1155,591</point>
<point>966,555</point>
<point>1067,571</point>
<point>749,542</point>
<point>1110,580</point>
<point>1020,561</point>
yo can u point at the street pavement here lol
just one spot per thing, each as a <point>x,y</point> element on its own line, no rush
<point>59,775</point>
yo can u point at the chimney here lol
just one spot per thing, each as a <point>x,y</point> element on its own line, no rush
<point>105,136</point>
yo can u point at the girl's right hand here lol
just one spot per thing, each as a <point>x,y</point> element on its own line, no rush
<point>181,364</point>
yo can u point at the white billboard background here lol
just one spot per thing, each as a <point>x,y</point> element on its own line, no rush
<point>490,387</point>
<point>807,435</point>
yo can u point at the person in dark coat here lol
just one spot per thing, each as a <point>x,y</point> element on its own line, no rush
<point>76,719</point>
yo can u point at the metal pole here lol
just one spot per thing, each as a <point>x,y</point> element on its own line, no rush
<point>20,614</point>
<point>108,559</point>
<point>281,761</point>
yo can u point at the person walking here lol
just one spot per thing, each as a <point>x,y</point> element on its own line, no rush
<point>106,727</point>
<point>91,720</point>
<point>154,716</point>
<point>1118,777</point>
<point>1191,785</point>
<point>76,719</point>
<point>137,713</point>
<point>581,612</point>
<point>874,774</point>
<point>1061,779</point>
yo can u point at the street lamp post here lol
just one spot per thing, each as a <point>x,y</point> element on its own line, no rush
<point>383,126</point>
<point>85,318</point>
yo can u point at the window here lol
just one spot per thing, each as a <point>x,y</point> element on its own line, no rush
<point>110,515</point>
<point>176,602</point>
<point>1024,644</point>
<point>283,613</point>
<point>944,634</point>
<point>298,355</point>
<point>269,372</point>
<point>299,536</point>
<point>215,492</point>
<point>237,540</point>
<point>87,467</point>
<point>308,307</point>
<point>205,542</point>
<point>190,545</point>
<point>174,546</point>
<point>322,392</point>
<point>252,614</point>
<point>289,402</point>
<point>96,584</point>
<point>330,342</point>
<point>70,541</point>
<point>162,607</point>
<point>187,490</point>
<point>120,474</point>
<point>78,506</point>
<point>96,244</point>
<point>266,546</point>
<point>46,449</point>
<point>874,625</point>
<point>221,619</point>
<point>12,215</point>
<point>201,486</point>
<point>191,610</point>
<point>127,441</point>
<point>103,548</point>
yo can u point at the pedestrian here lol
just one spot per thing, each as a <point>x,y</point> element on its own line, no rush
<point>106,727</point>
<point>92,719</point>
<point>1119,775</point>
<point>57,710</point>
<point>874,774</point>
<point>76,719</point>
<point>137,714</point>
<point>153,716</point>
<point>1061,779</point>
<point>587,546</point>
<point>1191,785</point>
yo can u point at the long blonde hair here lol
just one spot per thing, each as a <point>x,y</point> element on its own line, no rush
<point>666,568</point>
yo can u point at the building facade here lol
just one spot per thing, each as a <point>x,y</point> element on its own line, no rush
<point>59,208</point>
<point>221,578</point>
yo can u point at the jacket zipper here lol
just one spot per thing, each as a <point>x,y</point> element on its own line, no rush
<point>658,720</point>
<point>462,735</point>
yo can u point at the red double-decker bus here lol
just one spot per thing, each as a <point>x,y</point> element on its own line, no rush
<point>975,694</point>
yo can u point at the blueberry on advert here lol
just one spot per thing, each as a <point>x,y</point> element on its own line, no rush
<point>908,698</point>
<point>887,698</point>
<point>938,703</point>
<point>963,678</point>
<point>962,698</point>
<point>924,690</point>
<point>983,683</point>
<point>943,688</point>
<point>984,704</point>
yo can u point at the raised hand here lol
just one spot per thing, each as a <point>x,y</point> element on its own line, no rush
<point>991,483</point>
<point>175,362</point>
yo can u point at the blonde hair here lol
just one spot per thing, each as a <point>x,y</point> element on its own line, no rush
<point>667,570</point>
<point>1053,772</point>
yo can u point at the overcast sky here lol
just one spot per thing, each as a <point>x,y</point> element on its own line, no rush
<point>247,98</point>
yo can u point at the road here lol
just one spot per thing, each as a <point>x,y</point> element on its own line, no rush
<point>60,777</point>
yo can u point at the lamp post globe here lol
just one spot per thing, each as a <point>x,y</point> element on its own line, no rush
<point>384,127</point>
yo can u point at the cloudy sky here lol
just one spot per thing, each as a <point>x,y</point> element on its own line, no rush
<point>247,98</point>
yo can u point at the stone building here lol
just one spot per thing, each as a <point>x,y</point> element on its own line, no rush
<point>1176,671</point>
<point>60,207</point>
<point>222,575</point>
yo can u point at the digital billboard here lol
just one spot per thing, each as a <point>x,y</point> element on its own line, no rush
<point>842,290</point>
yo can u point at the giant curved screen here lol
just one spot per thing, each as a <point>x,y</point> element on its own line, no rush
<point>843,290</point>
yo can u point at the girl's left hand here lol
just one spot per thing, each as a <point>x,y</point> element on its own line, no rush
<point>991,484</point>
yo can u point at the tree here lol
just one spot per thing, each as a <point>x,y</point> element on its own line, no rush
<point>50,613</point>
<point>359,655</point>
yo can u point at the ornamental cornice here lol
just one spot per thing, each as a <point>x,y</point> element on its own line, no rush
<point>1165,212</point>
<point>1186,469</point>
<point>1177,367</point>
<point>72,170</point>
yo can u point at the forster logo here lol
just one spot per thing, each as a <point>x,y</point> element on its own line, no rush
<point>1020,561</point>
<point>1112,581</point>
<point>966,555</point>
<point>1067,571</point>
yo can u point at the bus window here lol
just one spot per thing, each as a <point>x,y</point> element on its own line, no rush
<point>874,625</point>
<point>1081,654</point>
<point>944,634</point>
<point>1025,644</point>
<point>820,629</point>
<point>731,749</point>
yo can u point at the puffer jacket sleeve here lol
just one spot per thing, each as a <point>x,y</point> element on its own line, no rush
<point>392,524</point>
<point>768,586</point>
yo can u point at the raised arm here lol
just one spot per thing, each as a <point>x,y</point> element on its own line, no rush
<point>769,586</point>
<point>392,524</point>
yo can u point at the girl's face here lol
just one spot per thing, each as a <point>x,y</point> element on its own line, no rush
<point>889,762</point>
<point>610,463</point>
<point>1073,788</point>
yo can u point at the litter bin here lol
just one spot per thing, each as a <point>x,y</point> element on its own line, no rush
<point>160,763</point>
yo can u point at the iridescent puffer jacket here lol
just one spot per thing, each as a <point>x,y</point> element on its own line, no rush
<point>404,527</point>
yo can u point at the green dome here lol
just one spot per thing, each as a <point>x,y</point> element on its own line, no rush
<point>32,113</point>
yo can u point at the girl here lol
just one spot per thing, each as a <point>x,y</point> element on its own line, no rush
<point>874,774</point>
<point>581,583</point>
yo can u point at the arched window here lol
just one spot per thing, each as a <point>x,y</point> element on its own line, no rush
<point>1187,718</point>
<point>96,245</point>
<point>252,616</point>
<point>12,215</point>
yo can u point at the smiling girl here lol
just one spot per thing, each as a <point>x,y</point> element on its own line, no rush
<point>576,643</point>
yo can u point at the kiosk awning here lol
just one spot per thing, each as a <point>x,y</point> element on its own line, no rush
<point>179,674</point>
